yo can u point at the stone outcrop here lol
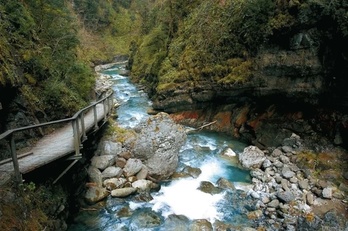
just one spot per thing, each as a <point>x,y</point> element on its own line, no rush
<point>123,169</point>
<point>157,144</point>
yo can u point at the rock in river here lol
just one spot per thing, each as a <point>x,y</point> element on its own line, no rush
<point>252,157</point>
<point>158,142</point>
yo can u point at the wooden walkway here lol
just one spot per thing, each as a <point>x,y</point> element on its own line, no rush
<point>61,143</point>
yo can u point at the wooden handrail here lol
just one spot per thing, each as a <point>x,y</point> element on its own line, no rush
<point>78,125</point>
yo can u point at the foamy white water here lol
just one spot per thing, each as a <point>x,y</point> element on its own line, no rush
<point>181,197</point>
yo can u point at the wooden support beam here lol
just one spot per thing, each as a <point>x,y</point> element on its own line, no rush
<point>18,175</point>
<point>65,171</point>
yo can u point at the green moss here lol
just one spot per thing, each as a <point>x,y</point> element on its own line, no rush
<point>166,87</point>
<point>30,208</point>
<point>30,95</point>
<point>307,159</point>
<point>239,71</point>
<point>117,133</point>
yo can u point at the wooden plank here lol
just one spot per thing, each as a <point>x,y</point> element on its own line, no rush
<point>8,160</point>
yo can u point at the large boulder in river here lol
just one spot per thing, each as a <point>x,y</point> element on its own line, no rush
<point>158,142</point>
<point>252,157</point>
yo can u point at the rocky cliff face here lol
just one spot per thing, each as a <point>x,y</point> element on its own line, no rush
<point>292,89</point>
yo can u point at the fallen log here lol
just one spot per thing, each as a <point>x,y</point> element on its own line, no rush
<point>200,128</point>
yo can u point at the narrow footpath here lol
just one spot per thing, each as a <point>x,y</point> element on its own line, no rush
<point>51,147</point>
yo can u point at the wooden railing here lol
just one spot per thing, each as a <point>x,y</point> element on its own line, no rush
<point>78,126</point>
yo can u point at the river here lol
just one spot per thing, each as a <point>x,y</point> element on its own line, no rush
<point>178,197</point>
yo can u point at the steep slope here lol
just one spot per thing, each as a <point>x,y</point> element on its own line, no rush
<point>277,64</point>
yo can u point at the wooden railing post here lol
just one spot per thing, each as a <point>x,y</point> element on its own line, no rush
<point>18,175</point>
<point>83,126</point>
<point>96,127</point>
<point>76,136</point>
<point>111,101</point>
<point>105,112</point>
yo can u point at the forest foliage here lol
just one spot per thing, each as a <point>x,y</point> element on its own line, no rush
<point>185,42</point>
<point>48,49</point>
<point>48,46</point>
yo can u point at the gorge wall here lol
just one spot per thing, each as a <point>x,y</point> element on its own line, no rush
<point>260,69</point>
<point>293,90</point>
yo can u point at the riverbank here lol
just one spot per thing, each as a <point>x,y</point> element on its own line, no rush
<point>291,194</point>
<point>293,188</point>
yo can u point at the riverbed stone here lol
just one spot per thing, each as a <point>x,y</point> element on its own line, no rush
<point>158,143</point>
<point>287,173</point>
<point>111,172</point>
<point>254,194</point>
<point>303,184</point>
<point>132,167</point>
<point>177,223</point>
<point>266,164</point>
<point>293,180</point>
<point>278,164</point>
<point>277,152</point>
<point>95,175</point>
<point>265,199</point>
<point>123,192</point>
<point>145,220</point>
<point>124,212</point>
<point>194,172</point>
<point>142,184</point>
<point>114,183</point>
<point>208,187</point>
<point>284,159</point>
<point>255,215</point>
<point>121,162</point>
<point>318,192</point>
<point>343,187</point>
<point>285,196</point>
<point>102,162</point>
<point>258,174</point>
<point>248,229</point>
<point>285,184</point>
<point>228,152</point>
<point>273,204</point>
<point>201,224</point>
<point>225,184</point>
<point>310,198</point>
<point>143,196</point>
<point>252,157</point>
<point>315,223</point>
<point>230,156</point>
<point>110,148</point>
<point>287,149</point>
<point>327,193</point>
<point>142,174</point>
<point>126,155</point>
<point>95,194</point>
